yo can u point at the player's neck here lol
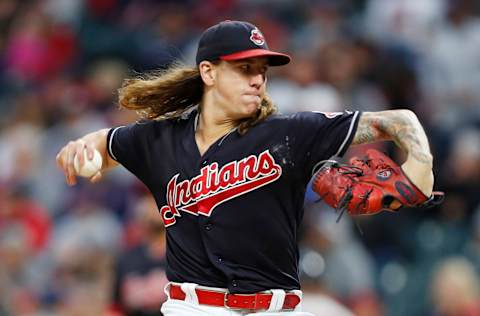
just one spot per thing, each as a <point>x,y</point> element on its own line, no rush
<point>210,127</point>
<point>213,120</point>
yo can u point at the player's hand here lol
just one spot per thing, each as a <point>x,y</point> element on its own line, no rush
<point>420,174</point>
<point>65,160</point>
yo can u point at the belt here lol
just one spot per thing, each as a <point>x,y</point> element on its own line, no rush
<point>256,301</point>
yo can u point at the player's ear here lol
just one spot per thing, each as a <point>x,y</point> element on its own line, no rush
<point>207,72</point>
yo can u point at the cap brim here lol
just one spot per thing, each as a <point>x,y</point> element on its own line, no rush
<point>274,58</point>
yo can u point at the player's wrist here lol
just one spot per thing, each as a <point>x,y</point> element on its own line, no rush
<point>419,174</point>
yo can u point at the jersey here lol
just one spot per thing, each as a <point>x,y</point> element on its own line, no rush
<point>232,216</point>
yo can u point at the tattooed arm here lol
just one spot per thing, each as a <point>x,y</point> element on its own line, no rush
<point>403,128</point>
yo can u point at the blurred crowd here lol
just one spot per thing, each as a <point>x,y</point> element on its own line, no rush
<point>99,249</point>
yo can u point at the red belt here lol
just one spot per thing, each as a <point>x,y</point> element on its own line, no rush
<point>257,301</point>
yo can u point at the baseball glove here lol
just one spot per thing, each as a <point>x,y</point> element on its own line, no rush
<point>369,185</point>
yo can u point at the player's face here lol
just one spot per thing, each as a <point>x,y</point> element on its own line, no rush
<point>240,86</point>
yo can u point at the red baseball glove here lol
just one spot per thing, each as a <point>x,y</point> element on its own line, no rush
<point>369,185</point>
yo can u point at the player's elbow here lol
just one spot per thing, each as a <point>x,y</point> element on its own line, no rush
<point>401,118</point>
<point>408,114</point>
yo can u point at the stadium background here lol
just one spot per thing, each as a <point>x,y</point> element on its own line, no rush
<point>61,62</point>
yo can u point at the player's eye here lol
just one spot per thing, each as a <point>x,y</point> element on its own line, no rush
<point>250,70</point>
<point>245,68</point>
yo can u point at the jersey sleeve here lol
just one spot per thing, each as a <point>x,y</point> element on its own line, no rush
<point>322,135</point>
<point>129,146</point>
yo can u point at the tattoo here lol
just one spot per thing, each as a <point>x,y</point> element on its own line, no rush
<point>398,126</point>
<point>366,133</point>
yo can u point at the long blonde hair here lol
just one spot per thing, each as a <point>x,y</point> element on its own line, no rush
<point>169,93</point>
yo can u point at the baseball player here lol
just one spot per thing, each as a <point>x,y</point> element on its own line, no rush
<point>229,175</point>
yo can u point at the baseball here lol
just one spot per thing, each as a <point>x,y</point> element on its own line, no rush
<point>90,167</point>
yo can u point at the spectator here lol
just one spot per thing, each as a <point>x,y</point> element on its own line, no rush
<point>140,271</point>
<point>455,275</point>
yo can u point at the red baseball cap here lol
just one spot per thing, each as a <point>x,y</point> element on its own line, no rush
<point>234,40</point>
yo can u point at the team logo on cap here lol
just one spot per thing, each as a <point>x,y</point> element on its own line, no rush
<point>257,37</point>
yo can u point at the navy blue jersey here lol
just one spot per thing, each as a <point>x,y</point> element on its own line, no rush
<point>232,215</point>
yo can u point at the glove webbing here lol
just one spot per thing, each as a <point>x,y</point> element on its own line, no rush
<point>342,205</point>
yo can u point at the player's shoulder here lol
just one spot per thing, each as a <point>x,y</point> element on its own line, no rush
<point>146,126</point>
<point>322,114</point>
<point>159,124</point>
<point>302,115</point>
<point>276,117</point>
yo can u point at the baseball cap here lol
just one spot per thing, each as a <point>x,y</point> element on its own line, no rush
<point>234,40</point>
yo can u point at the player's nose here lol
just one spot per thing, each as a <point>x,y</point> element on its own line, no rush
<point>257,79</point>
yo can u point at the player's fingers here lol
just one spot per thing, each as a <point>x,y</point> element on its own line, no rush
<point>71,180</point>
<point>79,152</point>
<point>89,150</point>
<point>96,177</point>
<point>395,205</point>
<point>59,159</point>
<point>62,163</point>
